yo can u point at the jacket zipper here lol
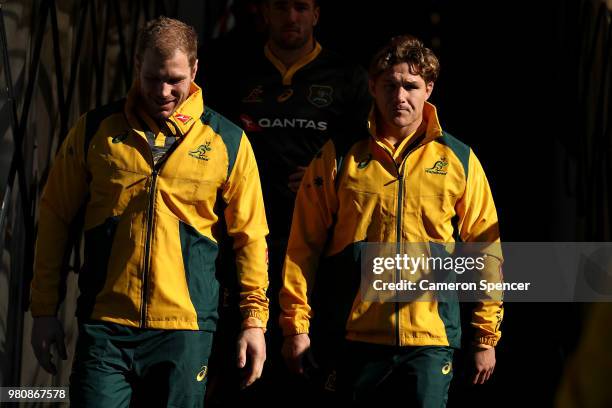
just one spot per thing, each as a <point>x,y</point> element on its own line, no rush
<point>398,237</point>
<point>398,233</point>
<point>150,215</point>
<point>145,272</point>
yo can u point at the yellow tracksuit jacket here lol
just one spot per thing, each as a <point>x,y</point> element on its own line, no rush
<point>151,229</point>
<point>430,188</point>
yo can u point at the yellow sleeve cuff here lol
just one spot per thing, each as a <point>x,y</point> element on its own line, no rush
<point>253,322</point>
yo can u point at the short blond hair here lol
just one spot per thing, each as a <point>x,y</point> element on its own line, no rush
<point>166,35</point>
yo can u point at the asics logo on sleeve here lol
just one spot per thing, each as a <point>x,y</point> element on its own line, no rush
<point>202,374</point>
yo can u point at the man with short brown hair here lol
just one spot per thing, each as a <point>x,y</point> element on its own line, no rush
<point>154,172</point>
<point>404,181</point>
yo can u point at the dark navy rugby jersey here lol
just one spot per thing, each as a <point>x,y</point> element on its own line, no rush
<point>289,114</point>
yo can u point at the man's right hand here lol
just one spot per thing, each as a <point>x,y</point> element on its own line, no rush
<point>295,349</point>
<point>46,331</point>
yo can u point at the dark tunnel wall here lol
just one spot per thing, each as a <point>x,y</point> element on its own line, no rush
<point>60,58</point>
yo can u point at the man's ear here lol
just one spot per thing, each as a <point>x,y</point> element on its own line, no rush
<point>372,87</point>
<point>429,88</point>
<point>265,12</point>
<point>194,70</point>
<point>316,12</point>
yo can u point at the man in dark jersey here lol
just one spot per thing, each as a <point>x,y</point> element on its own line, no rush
<point>295,97</point>
<point>290,99</point>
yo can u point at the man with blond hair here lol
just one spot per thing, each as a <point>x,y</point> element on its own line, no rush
<point>154,173</point>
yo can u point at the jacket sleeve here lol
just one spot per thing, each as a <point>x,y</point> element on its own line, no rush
<point>478,223</point>
<point>315,206</point>
<point>246,224</point>
<point>61,199</point>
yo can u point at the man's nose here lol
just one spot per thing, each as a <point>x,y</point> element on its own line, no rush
<point>292,14</point>
<point>399,95</point>
<point>165,90</point>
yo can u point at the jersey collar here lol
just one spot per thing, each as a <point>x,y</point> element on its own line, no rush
<point>288,72</point>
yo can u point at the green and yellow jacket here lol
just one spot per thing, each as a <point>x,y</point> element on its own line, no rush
<point>430,188</point>
<point>151,227</point>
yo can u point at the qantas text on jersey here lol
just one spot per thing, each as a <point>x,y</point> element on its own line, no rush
<point>294,123</point>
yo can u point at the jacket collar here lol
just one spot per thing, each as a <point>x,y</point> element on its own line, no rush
<point>429,130</point>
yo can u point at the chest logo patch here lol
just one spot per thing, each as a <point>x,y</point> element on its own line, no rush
<point>255,95</point>
<point>201,151</point>
<point>439,167</point>
<point>320,95</point>
<point>183,118</point>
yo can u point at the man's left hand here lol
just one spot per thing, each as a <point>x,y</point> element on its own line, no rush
<point>251,346</point>
<point>484,362</point>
